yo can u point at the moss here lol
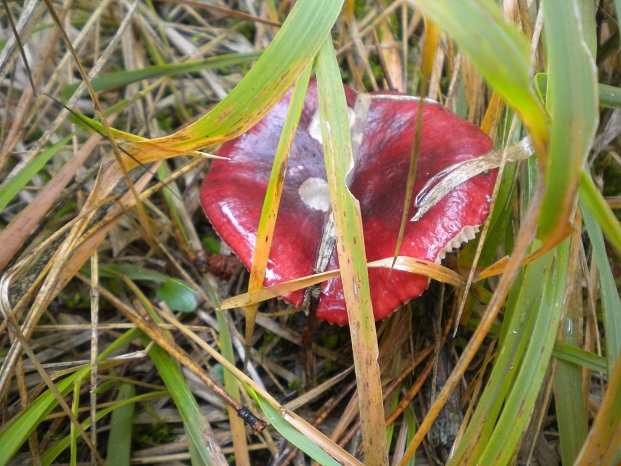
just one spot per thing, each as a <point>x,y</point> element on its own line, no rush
<point>156,433</point>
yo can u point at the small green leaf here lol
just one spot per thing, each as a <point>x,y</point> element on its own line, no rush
<point>177,295</point>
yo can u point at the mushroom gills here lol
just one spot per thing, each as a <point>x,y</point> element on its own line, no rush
<point>466,234</point>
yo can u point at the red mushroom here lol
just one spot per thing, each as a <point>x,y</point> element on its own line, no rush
<point>233,193</point>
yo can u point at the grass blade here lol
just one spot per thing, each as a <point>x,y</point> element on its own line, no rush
<point>568,377</point>
<point>110,81</point>
<point>574,113</point>
<point>55,450</point>
<point>602,445</point>
<point>267,222</point>
<point>519,322</point>
<point>197,428</point>
<point>307,431</point>
<point>292,434</point>
<point>591,198</point>
<point>500,52</point>
<point>238,429</point>
<point>609,293</point>
<point>10,189</point>
<point>351,253</point>
<point>578,356</point>
<point>519,404</point>
<point>120,440</point>
<point>289,54</point>
<point>16,431</point>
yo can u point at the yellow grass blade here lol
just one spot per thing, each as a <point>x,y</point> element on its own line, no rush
<point>351,253</point>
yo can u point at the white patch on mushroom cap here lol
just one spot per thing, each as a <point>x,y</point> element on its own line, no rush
<point>314,128</point>
<point>466,234</point>
<point>315,193</point>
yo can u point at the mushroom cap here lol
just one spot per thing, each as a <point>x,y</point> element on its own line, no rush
<point>234,190</point>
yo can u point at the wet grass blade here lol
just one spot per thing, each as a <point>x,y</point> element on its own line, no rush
<point>520,402</point>
<point>519,322</point>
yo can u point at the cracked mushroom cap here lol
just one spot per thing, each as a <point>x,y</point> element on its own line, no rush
<point>233,192</point>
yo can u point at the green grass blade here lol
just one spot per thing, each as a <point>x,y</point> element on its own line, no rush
<point>203,446</point>
<point>591,198</point>
<point>291,51</point>
<point>609,294</point>
<point>500,223</point>
<point>499,51</point>
<point>573,106</point>
<point>520,319</point>
<point>570,410</point>
<point>195,423</point>
<point>269,213</point>
<point>75,405</point>
<point>608,96</point>
<point>351,252</point>
<point>571,413</point>
<point>52,453</point>
<point>520,402</point>
<point>292,434</point>
<point>575,355</point>
<point>110,81</point>
<point>16,431</point>
<point>10,189</point>
<point>120,440</point>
